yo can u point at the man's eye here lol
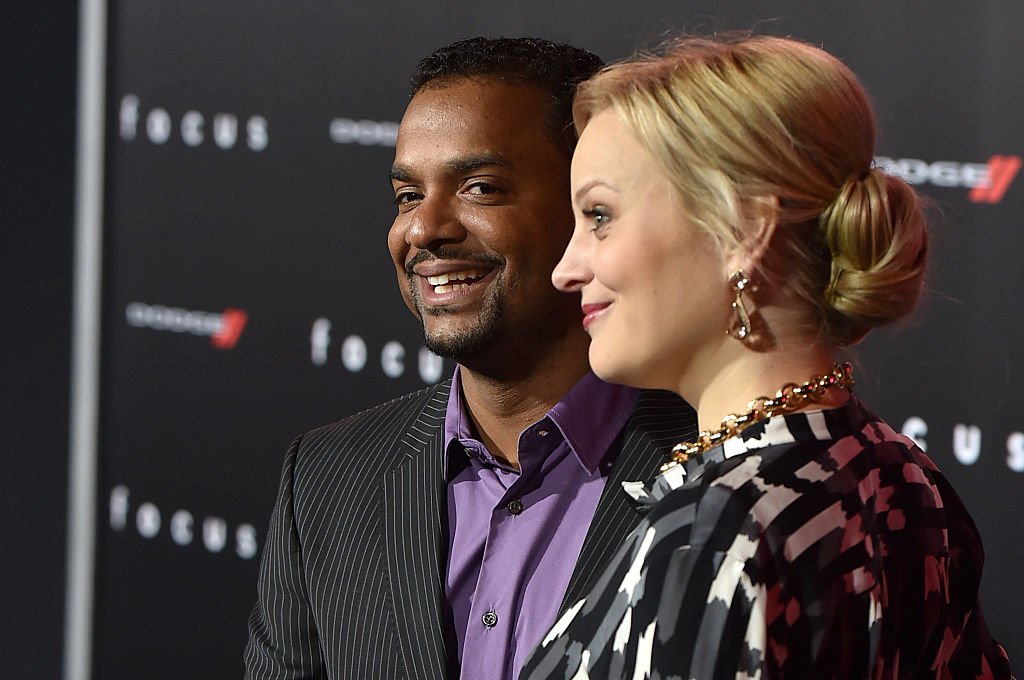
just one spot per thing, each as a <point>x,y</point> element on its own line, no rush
<point>406,197</point>
<point>481,188</point>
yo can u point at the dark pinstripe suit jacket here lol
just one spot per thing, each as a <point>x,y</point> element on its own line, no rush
<point>352,573</point>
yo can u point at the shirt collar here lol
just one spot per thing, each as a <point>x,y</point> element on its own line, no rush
<point>589,417</point>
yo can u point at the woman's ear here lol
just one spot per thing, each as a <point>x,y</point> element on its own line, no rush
<point>756,234</point>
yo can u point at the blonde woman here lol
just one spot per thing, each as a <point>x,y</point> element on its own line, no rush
<point>732,236</point>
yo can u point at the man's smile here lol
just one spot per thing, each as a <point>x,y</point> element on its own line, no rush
<point>444,283</point>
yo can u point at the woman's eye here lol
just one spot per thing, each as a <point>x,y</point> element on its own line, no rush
<point>599,217</point>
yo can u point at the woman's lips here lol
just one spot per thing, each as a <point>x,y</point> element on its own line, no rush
<point>592,311</point>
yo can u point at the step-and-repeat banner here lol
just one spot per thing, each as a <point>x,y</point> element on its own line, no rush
<point>249,295</point>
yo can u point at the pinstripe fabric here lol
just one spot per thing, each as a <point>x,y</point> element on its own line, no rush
<point>351,577</point>
<point>415,554</point>
<point>659,421</point>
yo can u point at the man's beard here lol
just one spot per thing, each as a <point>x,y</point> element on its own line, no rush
<point>466,343</point>
<point>490,320</point>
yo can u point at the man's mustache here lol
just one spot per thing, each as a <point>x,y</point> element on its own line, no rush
<point>443,253</point>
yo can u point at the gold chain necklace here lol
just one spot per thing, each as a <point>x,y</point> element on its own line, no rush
<point>789,398</point>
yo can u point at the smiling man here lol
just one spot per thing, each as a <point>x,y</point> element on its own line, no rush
<point>439,534</point>
<point>480,185</point>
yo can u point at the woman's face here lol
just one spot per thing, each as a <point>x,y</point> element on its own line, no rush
<point>653,288</point>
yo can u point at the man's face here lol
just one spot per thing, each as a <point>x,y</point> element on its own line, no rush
<point>483,215</point>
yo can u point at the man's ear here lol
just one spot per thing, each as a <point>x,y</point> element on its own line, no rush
<point>756,234</point>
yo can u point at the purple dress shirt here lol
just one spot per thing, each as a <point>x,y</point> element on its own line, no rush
<point>514,535</point>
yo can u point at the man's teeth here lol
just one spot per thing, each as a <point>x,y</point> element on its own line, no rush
<point>440,281</point>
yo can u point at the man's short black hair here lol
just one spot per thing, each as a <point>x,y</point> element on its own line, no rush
<point>556,68</point>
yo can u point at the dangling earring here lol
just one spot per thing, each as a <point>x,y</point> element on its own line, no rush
<point>739,282</point>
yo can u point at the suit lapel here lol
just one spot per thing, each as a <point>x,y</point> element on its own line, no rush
<point>414,540</point>
<point>659,421</point>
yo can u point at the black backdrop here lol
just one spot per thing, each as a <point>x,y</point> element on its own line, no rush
<point>248,294</point>
<point>37,138</point>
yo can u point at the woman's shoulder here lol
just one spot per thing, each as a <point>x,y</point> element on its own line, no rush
<point>802,476</point>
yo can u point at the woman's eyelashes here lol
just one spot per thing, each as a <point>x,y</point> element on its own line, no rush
<point>597,216</point>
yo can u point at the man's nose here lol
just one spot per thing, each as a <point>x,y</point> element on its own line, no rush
<point>433,224</point>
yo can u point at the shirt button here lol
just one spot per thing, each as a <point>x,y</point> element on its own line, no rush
<point>515,507</point>
<point>490,619</point>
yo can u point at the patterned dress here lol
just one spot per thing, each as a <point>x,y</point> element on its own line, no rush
<point>814,545</point>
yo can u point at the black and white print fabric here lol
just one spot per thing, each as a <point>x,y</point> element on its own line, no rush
<point>814,545</point>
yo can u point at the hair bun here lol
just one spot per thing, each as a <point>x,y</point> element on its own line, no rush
<point>877,234</point>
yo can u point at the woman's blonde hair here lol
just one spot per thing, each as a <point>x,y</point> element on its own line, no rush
<point>758,127</point>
